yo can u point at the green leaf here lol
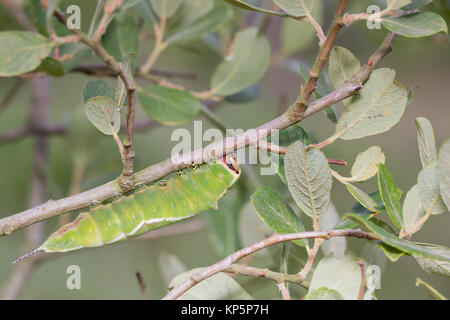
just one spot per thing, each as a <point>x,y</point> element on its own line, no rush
<point>120,92</point>
<point>434,294</point>
<point>377,107</point>
<point>122,37</point>
<point>104,114</point>
<point>342,275</point>
<point>321,91</point>
<point>52,67</point>
<point>244,66</point>
<point>412,210</point>
<point>443,172</point>
<point>397,4</point>
<point>291,28</point>
<point>416,24</point>
<point>297,8</point>
<point>223,223</point>
<point>309,178</point>
<point>284,138</point>
<point>429,189</point>
<point>168,106</point>
<point>392,240</point>
<point>362,197</point>
<point>247,6</point>
<point>426,140</point>
<point>437,267</point>
<point>416,4</point>
<point>217,287</point>
<point>94,88</point>
<point>206,24</point>
<point>342,66</point>
<point>21,52</point>
<point>246,95</point>
<point>165,7</point>
<point>323,293</point>
<point>359,209</point>
<point>274,211</point>
<point>393,254</point>
<point>390,195</point>
<point>170,266</point>
<point>366,164</point>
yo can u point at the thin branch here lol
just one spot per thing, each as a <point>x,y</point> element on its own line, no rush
<point>126,180</point>
<point>12,93</point>
<point>225,263</point>
<point>18,14</point>
<point>159,170</point>
<point>39,117</point>
<point>17,134</point>
<point>142,285</point>
<point>104,70</point>
<point>298,110</point>
<point>363,279</point>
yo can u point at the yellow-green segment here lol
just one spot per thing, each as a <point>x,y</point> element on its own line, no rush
<point>148,208</point>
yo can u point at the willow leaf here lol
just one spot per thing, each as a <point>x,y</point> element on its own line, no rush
<point>429,189</point>
<point>443,172</point>
<point>390,195</point>
<point>309,178</point>
<point>378,106</point>
<point>426,141</point>
<point>392,240</point>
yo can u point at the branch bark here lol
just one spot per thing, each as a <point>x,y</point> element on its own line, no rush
<point>225,263</point>
<point>111,189</point>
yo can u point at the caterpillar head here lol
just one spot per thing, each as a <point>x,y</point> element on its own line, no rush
<point>231,161</point>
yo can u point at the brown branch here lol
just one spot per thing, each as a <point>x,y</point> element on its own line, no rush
<point>225,263</point>
<point>18,14</point>
<point>363,279</point>
<point>298,110</point>
<point>159,170</point>
<point>104,70</point>
<point>126,180</point>
<point>40,113</point>
<point>12,93</point>
<point>142,285</point>
<point>17,134</point>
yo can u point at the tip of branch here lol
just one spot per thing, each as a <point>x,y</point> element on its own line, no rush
<point>26,255</point>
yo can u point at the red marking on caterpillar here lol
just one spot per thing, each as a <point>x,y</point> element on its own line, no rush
<point>70,226</point>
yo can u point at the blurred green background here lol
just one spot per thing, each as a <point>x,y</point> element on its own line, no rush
<point>109,272</point>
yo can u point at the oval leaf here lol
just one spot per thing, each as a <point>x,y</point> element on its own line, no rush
<point>168,106</point>
<point>297,8</point>
<point>429,189</point>
<point>378,106</point>
<point>366,164</point>
<point>443,172</point>
<point>104,114</point>
<point>390,195</point>
<point>217,287</point>
<point>426,140</point>
<point>412,210</point>
<point>274,211</point>
<point>244,66</point>
<point>165,8</point>
<point>21,52</point>
<point>437,267</point>
<point>309,178</point>
<point>416,24</point>
<point>342,275</point>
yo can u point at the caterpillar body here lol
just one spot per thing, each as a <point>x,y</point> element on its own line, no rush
<point>148,208</point>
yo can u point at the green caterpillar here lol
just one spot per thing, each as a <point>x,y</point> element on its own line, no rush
<point>148,208</point>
